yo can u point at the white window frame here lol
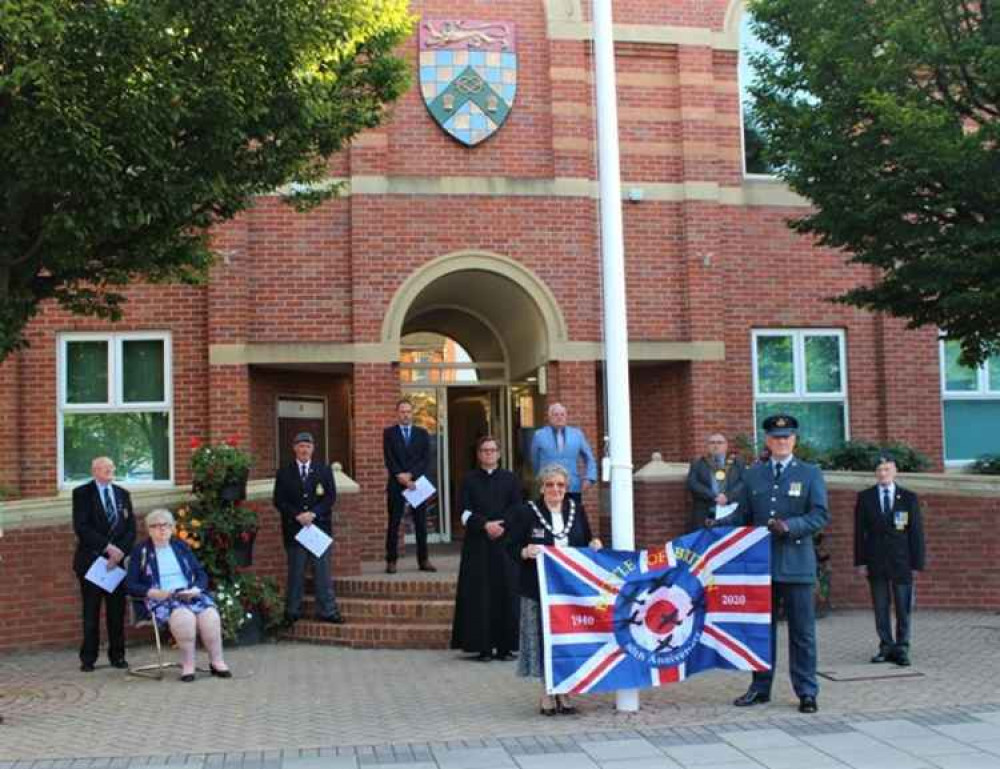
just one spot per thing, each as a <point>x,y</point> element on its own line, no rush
<point>115,403</point>
<point>799,393</point>
<point>981,393</point>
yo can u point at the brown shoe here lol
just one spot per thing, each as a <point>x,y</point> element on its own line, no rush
<point>390,567</point>
<point>428,566</point>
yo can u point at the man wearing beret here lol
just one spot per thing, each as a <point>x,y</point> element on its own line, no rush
<point>304,493</point>
<point>888,548</point>
<point>789,497</point>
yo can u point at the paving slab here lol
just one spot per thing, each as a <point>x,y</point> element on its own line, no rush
<point>610,750</point>
<point>556,761</point>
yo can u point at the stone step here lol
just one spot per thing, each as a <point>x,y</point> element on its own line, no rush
<point>371,636</point>
<point>440,589</point>
<point>409,611</point>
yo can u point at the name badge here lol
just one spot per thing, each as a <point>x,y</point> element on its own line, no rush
<point>720,475</point>
<point>902,518</point>
<point>795,489</point>
<point>538,533</point>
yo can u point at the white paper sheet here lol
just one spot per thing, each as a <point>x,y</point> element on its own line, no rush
<point>99,574</point>
<point>314,539</point>
<point>422,491</point>
<point>724,511</point>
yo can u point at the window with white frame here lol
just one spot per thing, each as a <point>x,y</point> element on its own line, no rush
<point>115,400</point>
<point>802,372</point>
<point>970,400</point>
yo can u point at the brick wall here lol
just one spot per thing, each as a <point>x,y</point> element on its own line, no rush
<point>40,594</point>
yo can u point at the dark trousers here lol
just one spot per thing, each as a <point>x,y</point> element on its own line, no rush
<point>885,592</point>
<point>397,508</point>
<point>114,610</point>
<point>298,557</point>
<point>800,613</point>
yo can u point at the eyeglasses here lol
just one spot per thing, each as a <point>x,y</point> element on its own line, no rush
<point>160,526</point>
<point>489,449</point>
<point>554,485</point>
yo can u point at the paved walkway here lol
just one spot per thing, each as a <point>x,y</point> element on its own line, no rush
<point>295,706</point>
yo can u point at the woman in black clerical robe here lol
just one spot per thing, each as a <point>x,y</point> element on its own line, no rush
<point>485,619</point>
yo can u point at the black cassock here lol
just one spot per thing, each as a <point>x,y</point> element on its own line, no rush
<point>485,617</point>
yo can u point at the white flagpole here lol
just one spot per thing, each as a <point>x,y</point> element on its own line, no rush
<point>615,317</point>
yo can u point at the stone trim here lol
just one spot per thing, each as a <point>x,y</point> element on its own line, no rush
<point>755,190</point>
<point>242,354</point>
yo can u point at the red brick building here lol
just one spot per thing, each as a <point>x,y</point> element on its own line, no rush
<point>322,320</point>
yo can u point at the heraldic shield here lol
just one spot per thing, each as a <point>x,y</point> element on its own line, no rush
<point>468,75</point>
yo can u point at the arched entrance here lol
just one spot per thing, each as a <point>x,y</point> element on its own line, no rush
<point>474,332</point>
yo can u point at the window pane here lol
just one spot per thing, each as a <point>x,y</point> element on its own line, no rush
<point>822,364</point>
<point>87,372</point>
<point>971,428</point>
<point>993,366</point>
<point>820,424</point>
<point>775,368</point>
<point>754,139</point>
<point>957,378</point>
<point>142,371</point>
<point>138,443</point>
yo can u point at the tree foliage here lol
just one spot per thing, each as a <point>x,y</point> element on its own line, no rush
<point>886,115</point>
<point>129,127</point>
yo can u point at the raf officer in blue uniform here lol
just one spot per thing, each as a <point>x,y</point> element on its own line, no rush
<point>789,497</point>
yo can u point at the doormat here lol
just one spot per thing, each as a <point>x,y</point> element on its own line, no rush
<point>868,672</point>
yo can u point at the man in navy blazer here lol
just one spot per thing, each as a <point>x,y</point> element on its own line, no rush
<point>104,523</point>
<point>407,452</point>
<point>304,493</point>
<point>563,445</point>
<point>789,497</point>
<point>714,479</point>
<point>888,548</point>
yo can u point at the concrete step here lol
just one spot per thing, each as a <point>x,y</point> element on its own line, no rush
<point>371,636</point>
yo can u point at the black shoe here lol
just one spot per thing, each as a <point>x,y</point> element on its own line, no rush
<point>288,621</point>
<point>505,656</point>
<point>902,659</point>
<point>484,657</point>
<point>807,705</point>
<point>428,566</point>
<point>880,657</point>
<point>563,707</point>
<point>120,664</point>
<point>390,567</point>
<point>86,667</point>
<point>752,697</point>
<point>187,678</point>
<point>333,619</point>
<point>219,673</point>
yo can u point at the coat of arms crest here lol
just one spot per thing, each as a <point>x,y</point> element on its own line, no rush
<point>468,75</point>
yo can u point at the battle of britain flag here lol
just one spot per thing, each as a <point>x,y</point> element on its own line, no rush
<point>626,620</point>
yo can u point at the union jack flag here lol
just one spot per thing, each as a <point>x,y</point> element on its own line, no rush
<point>613,619</point>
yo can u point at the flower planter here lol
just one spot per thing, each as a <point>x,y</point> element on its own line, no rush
<point>234,491</point>
<point>252,632</point>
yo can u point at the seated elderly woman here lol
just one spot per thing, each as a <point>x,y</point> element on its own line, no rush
<point>166,573</point>
<point>553,519</point>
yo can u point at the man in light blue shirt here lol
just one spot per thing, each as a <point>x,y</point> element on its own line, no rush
<point>560,444</point>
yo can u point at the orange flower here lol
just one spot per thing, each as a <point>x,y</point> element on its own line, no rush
<point>195,523</point>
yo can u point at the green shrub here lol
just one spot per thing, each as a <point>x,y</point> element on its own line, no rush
<point>862,456</point>
<point>987,464</point>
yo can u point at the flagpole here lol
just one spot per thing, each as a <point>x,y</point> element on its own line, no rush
<point>615,317</point>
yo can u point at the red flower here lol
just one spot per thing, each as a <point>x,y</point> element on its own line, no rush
<point>233,440</point>
<point>245,536</point>
<point>195,442</point>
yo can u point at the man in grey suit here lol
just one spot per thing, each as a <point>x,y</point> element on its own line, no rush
<point>714,479</point>
<point>789,497</point>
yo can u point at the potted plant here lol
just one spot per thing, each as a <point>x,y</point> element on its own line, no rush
<point>250,608</point>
